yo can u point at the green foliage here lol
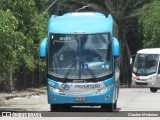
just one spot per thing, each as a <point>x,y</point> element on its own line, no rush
<point>150,21</point>
<point>22,27</point>
<point>40,32</point>
<point>10,40</point>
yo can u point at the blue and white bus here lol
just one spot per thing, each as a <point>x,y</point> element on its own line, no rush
<point>82,61</point>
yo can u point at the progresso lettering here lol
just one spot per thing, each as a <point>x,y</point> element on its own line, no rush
<point>88,86</point>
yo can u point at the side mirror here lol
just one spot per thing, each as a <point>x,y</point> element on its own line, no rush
<point>43,46</point>
<point>116,47</point>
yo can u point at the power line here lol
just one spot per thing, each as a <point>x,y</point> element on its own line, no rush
<point>50,6</point>
<point>82,8</point>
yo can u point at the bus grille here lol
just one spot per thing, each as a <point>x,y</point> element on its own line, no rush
<point>137,83</point>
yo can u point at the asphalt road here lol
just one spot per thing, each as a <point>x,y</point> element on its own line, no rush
<point>131,102</point>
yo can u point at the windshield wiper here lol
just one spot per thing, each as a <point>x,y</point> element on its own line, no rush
<point>72,64</point>
<point>141,73</point>
<point>137,70</point>
<point>92,73</point>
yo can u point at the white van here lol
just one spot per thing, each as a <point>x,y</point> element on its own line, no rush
<point>146,69</point>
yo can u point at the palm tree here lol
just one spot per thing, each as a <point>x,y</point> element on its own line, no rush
<point>123,13</point>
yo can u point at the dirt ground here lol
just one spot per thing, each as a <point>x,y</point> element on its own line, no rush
<point>25,100</point>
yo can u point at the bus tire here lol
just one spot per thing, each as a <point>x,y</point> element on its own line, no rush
<point>108,107</point>
<point>115,105</point>
<point>153,90</point>
<point>58,107</point>
<point>54,107</point>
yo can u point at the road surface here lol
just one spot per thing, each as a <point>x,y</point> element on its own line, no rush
<point>131,100</point>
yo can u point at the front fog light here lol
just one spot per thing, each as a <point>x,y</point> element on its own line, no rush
<point>53,97</point>
<point>153,78</point>
<point>104,89</point>
<point>107,97</point>
<point>55,90</point>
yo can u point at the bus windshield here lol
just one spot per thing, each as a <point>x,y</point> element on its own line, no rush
<point>145,64</point>
<point>80,56</point>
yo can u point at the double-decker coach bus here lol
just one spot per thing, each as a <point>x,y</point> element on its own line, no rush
<point>82,61</point>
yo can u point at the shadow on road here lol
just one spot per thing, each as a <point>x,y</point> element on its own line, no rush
<point>77,109</point>
<point>84,112</point>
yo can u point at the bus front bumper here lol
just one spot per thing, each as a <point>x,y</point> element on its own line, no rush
<point>103,98</point>
<point>145,83</point>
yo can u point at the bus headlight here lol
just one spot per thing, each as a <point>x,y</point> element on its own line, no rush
<point>104,89</point>
<point>55,90</point>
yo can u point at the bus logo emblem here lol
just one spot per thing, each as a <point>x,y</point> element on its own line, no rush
<point>65,86</point>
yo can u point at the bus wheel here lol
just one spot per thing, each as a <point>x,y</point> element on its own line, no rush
<point>115,105</point>
<point>153,90</point>
<point>54,107</point>
<point>108,107</point>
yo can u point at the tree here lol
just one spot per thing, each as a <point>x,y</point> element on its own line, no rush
<point>10,48</point>
<point>22,44</point>
<point>150,21</point>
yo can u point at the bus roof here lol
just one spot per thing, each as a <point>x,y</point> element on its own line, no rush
<point>80,22</point>
<point>149,51</point>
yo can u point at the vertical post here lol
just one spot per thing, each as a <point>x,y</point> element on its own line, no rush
<point>11,77</point>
